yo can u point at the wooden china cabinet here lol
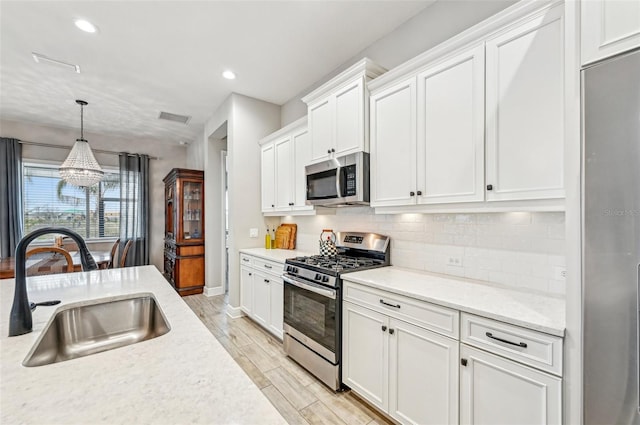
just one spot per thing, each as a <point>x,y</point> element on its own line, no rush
<point>184,230</point>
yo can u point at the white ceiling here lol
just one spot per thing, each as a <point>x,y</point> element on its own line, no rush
<point>152,56</point>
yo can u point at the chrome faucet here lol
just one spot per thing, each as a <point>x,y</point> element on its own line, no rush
<point>20,321</point>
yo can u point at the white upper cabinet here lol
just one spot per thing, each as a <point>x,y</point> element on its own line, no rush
<point>428,147</point>
<point>302,157</point>
<point>283,172</point>
<point>338,113</point>
<point>349,118</point>
<point>322,137</point>
<point>451,130</point>
<point>268,178</point>
<point>609,27</point>
<point>477,119</point>
<point>284,156</point>
<point>393,145</point>
<point>525,110</point>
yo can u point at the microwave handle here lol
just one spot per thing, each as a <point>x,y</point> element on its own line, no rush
<point>338,182</point>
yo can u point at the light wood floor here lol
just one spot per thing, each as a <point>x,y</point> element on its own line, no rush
<point>299,396</point>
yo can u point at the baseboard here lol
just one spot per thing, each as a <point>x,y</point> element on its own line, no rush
<point>213,291</point>
<point>234,312</point>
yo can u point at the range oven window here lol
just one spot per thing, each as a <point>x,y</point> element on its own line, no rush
<point>312,314</point>
<point>322,185</point>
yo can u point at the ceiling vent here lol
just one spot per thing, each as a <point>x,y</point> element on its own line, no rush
<point>182,119</point>
<point>60,64</point>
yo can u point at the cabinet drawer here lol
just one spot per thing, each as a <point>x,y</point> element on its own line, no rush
<point>246,260</point>
<point>268,266</point>
<point>429,316</point>
<point>530,347</point>
<point>190,250</point>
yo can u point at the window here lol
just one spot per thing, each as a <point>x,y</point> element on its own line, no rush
<point>49,201</point>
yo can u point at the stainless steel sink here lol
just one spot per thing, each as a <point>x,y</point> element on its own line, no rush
<point>89,329</point>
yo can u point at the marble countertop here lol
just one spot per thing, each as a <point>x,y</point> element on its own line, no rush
<point>184,376</point>
<point>522,308</point>
<point>278,255</point>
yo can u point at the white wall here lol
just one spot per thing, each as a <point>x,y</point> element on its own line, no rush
<point>432,26</point>
<point>519,249</point>
<point>244,121</point>
<point>172,156</point>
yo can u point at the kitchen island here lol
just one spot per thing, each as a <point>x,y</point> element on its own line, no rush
<point>184,376</point>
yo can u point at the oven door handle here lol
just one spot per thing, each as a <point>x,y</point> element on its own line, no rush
<point>338,182</point>
<point>325,292</point>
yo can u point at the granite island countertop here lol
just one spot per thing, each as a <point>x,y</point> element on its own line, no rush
<point>518,307</point>
<point>184,376</point>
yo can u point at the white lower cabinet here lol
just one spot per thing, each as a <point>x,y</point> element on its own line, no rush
<point>261,292</point>
<point>494,390</point>
<point>407,371</point>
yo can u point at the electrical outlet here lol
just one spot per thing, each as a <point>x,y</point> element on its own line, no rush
<point>559,273</point>
<point>455,261</point>
<point>253,232</point>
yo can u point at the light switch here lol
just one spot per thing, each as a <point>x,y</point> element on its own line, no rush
<point>253,232</point>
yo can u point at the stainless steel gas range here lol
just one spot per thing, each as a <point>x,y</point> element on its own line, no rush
<point>313,301</point>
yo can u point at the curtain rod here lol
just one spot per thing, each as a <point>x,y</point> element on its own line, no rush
<point>49,145</point>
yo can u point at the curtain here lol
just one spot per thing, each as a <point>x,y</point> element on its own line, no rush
<point>10,195</point>
<point>134,207</point>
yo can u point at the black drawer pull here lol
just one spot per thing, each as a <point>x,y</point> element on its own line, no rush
<point>266,281</point>
<point>517,344</point>
<point>250,274</point>
<point>384,328</point>
<point>245,259</point>
<point>391,331</point>
<point>390,305</point>
<point>268,266</point>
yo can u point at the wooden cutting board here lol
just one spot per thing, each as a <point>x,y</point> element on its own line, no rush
<point>283,233</point>
<point>294,234</point>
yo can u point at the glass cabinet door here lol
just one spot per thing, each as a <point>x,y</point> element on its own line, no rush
<point>192,210</point>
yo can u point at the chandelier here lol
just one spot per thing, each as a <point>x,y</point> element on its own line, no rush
<point>81,168</point>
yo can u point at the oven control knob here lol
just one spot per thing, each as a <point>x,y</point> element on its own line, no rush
<point>325,278</point>
<point>318,277</point>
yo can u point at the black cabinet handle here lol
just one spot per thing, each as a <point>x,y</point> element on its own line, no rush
<point>266,281</point>
<point>245,260</point>
<point>272,205</point>
<point>463,362</point>
<point>333,150</point>
<point>412,194</point>
<point>328,150</point>
<point>390,305</point>
<point>250,274</point>
<point>419,193</point>
<point>517,344</point>
<point>384,328</point>
<point>268,266</point>
<point>489,187</point>
<point>391,331</point>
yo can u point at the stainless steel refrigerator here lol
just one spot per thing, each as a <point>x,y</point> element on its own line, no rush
<point>611,239</point>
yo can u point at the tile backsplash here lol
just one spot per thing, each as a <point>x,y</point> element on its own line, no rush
<point>519,249</point>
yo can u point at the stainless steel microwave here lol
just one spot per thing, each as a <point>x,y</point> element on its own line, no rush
<point>340,181</point>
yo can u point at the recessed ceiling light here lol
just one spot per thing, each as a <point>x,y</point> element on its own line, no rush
<point>229,75</point>
<point>85,26</point>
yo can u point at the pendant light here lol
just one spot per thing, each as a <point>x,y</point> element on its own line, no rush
<point>81,168</point>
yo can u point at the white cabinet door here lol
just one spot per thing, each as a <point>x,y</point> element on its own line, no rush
<point>423,375</point>
<point>246,289</point>
<point>393,145</point>
<point>268,178</point>
<point>349,118</point>
<point>609,27</point>
<point>494,390</point>
<point>365,353</point>
<point>451,130</point>
<point>276,300</point>
<point>302,157</point>
<point>321,129</point>
<point>261,299</point>
<point>283,174</point>
<point>525,110</point>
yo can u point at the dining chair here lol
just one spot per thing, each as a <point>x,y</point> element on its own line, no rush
<point>66,243</point>
<point>114,248</point>
<point>50,260</point>
<point>125,251</point>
